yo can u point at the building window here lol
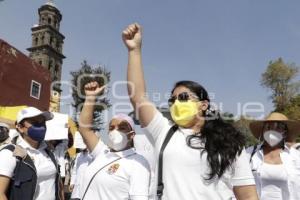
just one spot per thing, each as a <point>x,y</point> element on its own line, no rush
<point>49,21</point>
<point>42,39</point>
<point>36,41</point>
<point>40,62</point>
<point>35,89</point>
<point>56,69</point>
<point>55,23</point>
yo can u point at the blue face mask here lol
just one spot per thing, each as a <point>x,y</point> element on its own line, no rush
<point>37,132</point>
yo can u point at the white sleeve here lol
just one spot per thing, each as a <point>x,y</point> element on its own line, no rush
<point>158,127</point>
<point>99,149</point>
<point>140,179</point>
<point>242,171</point>
<point>7,163</point>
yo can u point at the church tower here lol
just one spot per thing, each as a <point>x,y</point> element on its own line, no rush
<point>47,45</point>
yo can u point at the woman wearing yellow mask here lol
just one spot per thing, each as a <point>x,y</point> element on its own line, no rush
<point>200,156</point>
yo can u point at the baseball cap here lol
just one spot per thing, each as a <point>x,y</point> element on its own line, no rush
<point>30,112</point>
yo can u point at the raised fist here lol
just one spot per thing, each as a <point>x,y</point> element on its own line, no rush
<point>93,89</point>
<point>132,37</point>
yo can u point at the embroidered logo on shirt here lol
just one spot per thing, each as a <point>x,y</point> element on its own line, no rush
<point>113,168</point>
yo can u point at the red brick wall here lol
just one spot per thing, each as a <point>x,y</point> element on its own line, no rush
<point>16,73</point>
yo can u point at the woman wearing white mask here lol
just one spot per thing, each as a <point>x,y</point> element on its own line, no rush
<point>275,164</point>
<point>117,171</point>
<point>203,157</point>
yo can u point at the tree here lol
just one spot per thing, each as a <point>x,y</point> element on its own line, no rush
<point>279,78</point>
<point>242,125</point>
<point>292,110</point>
<point>79,78</point>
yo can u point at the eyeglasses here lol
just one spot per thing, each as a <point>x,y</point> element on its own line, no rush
<point>182,97</point>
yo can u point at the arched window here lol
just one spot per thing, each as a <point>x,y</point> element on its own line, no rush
<point>55,23</point>
<point>49,21</point>
<point>42,39</point>
<point>51,40</point>
<point>56,69</point>
<point>40,62</point>
<point>36,40</point>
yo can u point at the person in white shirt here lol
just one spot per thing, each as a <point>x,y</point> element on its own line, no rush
<point>82,161</point>
<point>117,171</point>
<point>42,181</point>
<point>274,162</point>
<point>205,158</point>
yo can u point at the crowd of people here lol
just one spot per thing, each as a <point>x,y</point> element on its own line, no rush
<point>197,154</point>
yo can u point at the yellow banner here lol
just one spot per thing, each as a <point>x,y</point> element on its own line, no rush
<point>10,112</point>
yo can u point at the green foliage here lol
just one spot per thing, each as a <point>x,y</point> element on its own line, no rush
<point>85,75</point>
<point>242,125</point>
<point>292,110</point>
<point>279,78</point>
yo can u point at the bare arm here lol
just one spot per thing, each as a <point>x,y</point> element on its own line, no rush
<point>247,192</point>
<point>4,183</point>
<point>86,116</point>
<point>132,37</point>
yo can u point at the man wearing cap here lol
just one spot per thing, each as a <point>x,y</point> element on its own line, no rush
<point>29,164</point>
<point>4,134</point>
<point>275,164</point>
<point>117,171</point>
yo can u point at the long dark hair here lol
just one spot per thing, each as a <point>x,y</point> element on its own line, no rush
<point>222,142</point>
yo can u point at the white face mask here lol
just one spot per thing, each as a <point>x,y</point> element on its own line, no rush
<point>117,140</point>
<point>273,137</point>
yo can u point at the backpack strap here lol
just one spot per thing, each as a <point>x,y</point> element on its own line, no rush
<point>18,152</point>
<point>58,186</point>
<point>160,184</point>
<point>253,152</point>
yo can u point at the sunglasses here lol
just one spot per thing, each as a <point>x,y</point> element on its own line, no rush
<point>182,97</point>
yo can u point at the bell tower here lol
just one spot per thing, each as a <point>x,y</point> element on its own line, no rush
<point>47,45</point>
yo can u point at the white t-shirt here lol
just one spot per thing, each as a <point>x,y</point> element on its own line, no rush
<point>290,158</point>
<point>184,170</point>
<point>274,181</point>
<point>46,171</point>
<point>126,178</point>
<point>81,163</point>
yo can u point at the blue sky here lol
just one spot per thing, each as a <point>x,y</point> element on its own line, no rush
<point>224,45</point>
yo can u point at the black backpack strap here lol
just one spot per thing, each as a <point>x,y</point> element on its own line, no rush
<point>9,147</point>
<point>160,184</point>
<point>253,152</point>
<point>58,178</point>
<point>20,156</point>
<point>52,157</point>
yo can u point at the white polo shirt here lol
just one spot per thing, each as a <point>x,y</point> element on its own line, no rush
<point>126,178</point>
<point>46,171</point>
<point>184,169</point>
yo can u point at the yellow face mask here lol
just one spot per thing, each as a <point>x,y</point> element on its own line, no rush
<point>184,112</point>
